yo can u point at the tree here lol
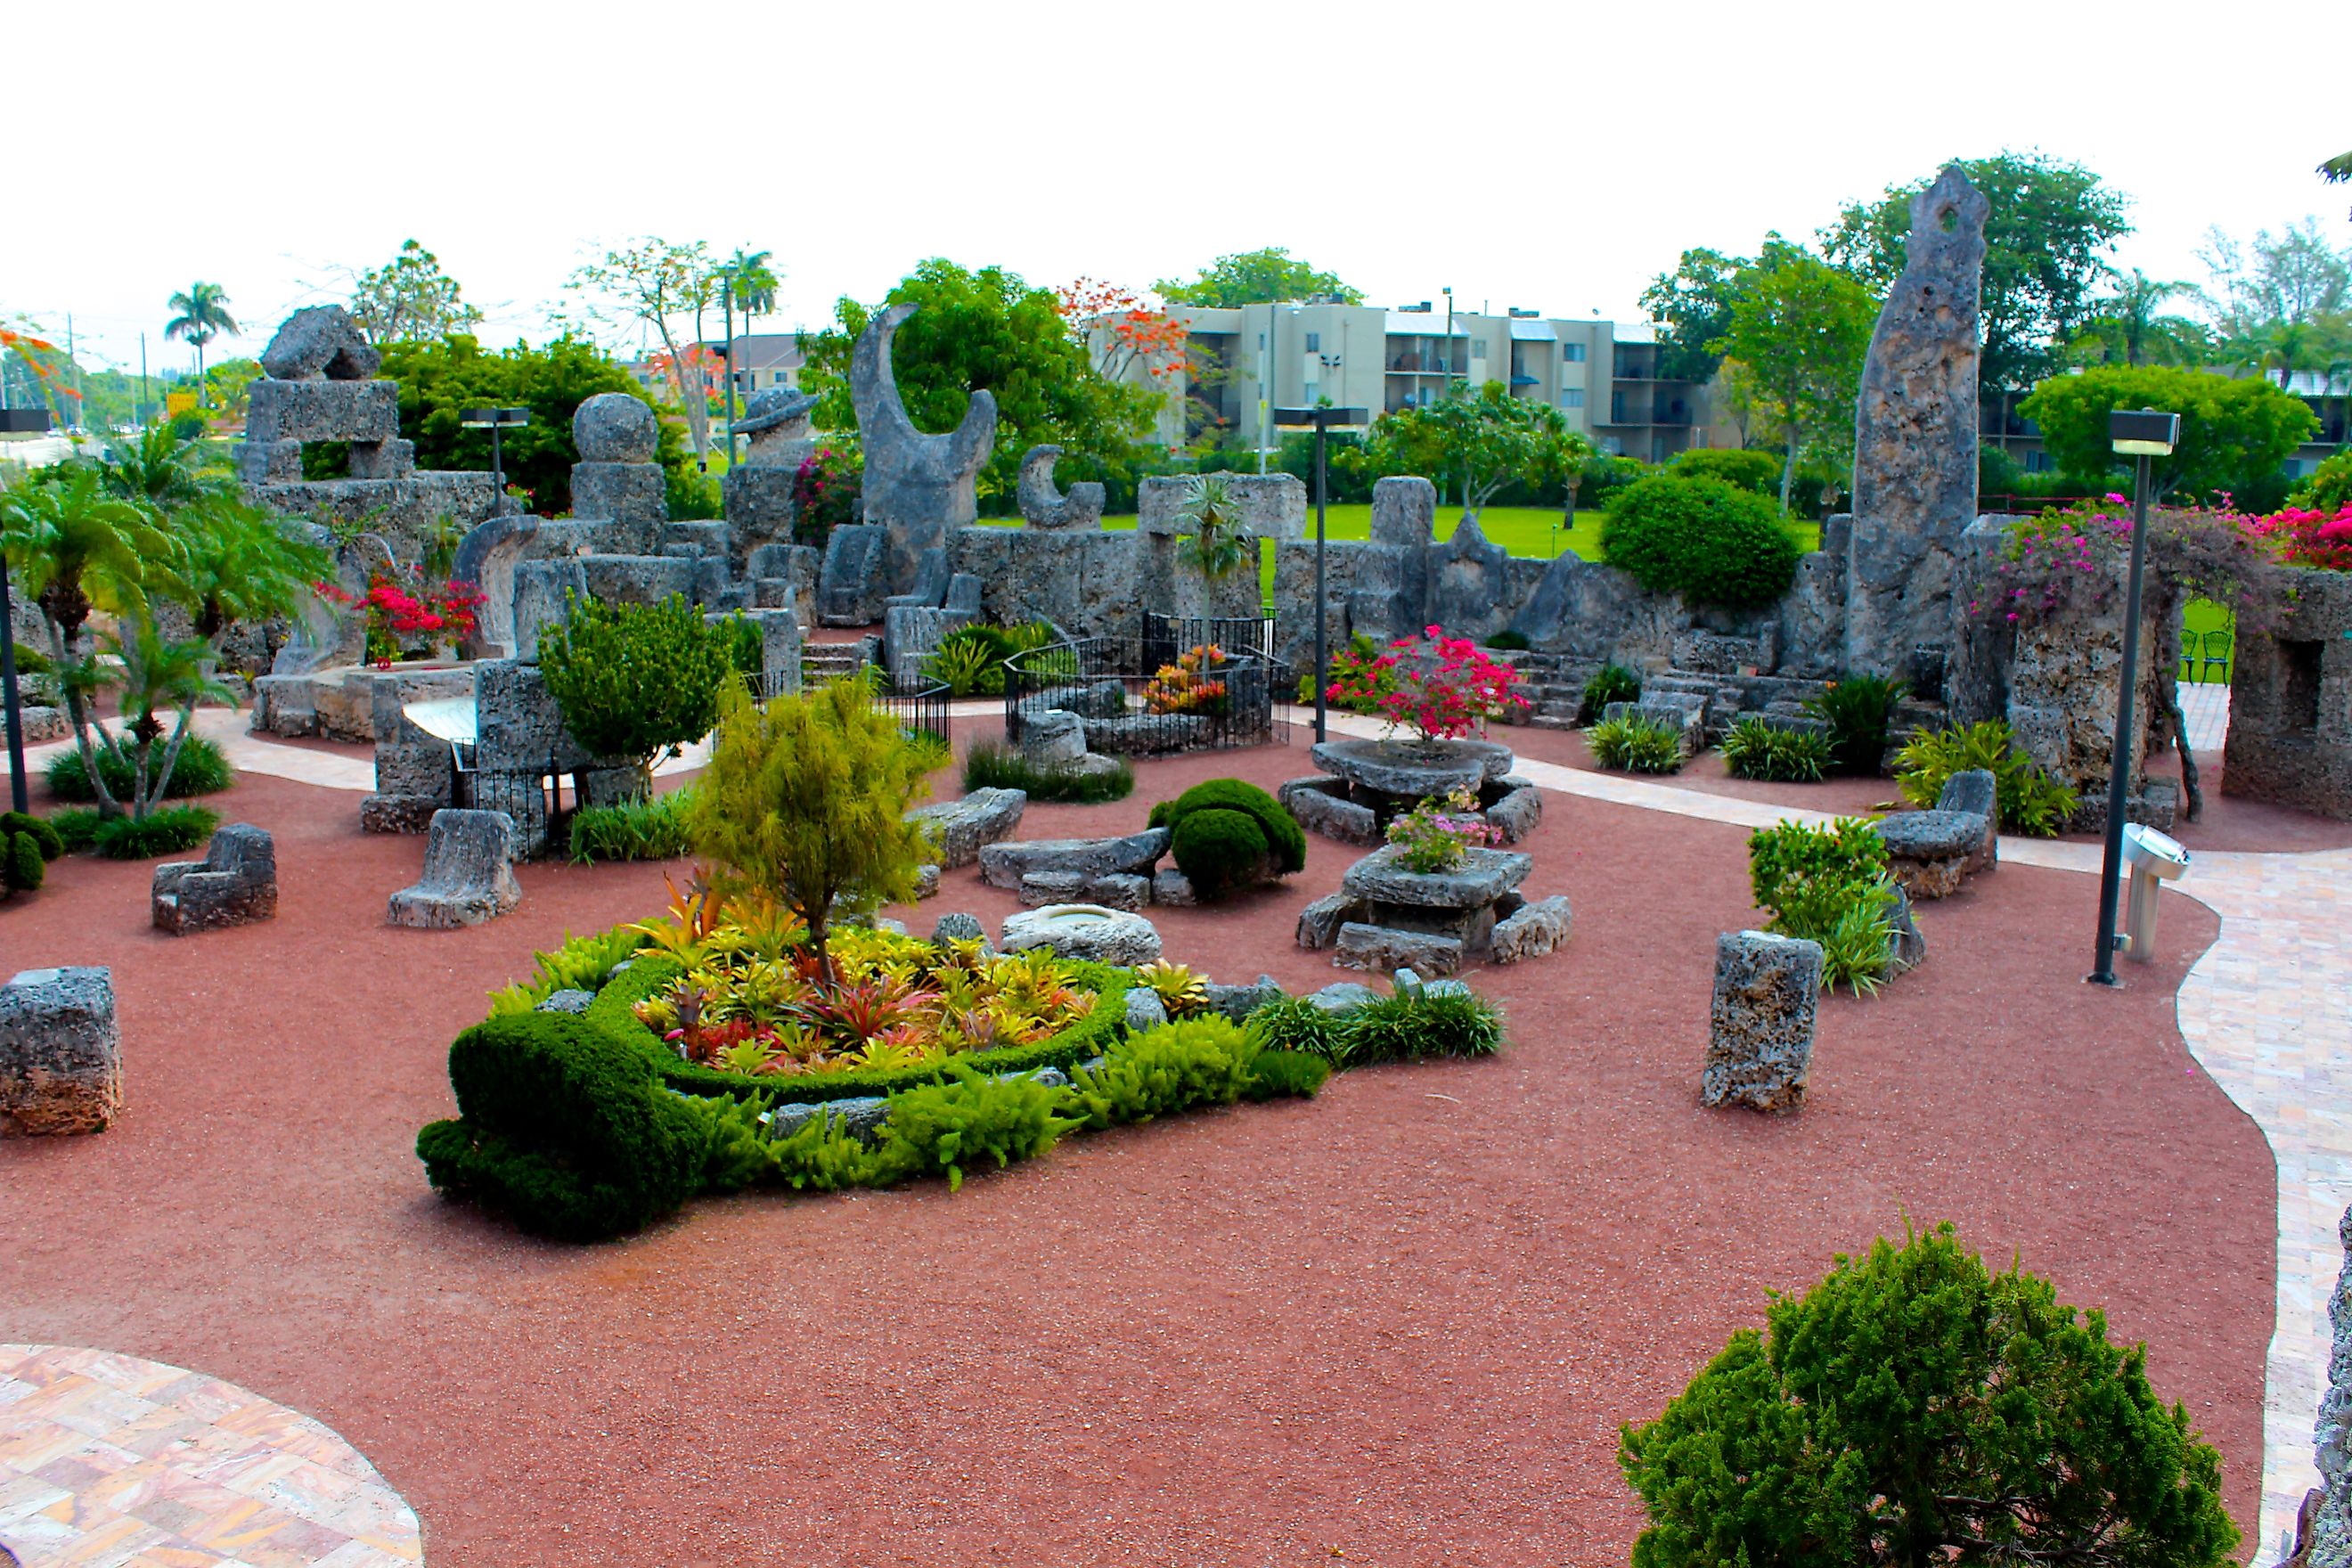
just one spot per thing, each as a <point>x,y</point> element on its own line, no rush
<point>986,328</point>
<point>638,682</point>
<point>2236,433</point>
<point>410,298</point>
<point>2295,278</point>
<point>2047,238</point>
<point>2130,325</point>
<point>651,280</point>
<point>1485,439</point>
<point>440,378</point>
<point>1693,303</point>
<point>2338,170</point>
<point>805,801</point>
<point>1262,277</point>
<point>745,284</point>
<point>1121,330</point>
<point>1800,329</point>
<point>203,316</point>
<point>1915,1407</point>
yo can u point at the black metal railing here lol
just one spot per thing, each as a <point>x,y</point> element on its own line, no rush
<point>1115,685</point>
<point>1166,638</point>
<point>924,709</point>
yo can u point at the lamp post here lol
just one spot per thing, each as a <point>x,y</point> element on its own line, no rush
<point>494,420</point>
<point>1322,419</point>
<point>2139,434</point>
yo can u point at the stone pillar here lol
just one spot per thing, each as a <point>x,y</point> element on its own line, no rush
<point>1760,1038</point>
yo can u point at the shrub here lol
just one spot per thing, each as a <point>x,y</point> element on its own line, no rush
<point>1507,640</point>
<point>22,868</point>
<point>1749,470</point>
<point>990,764</point>
<point>1611,683</point>
<point>1276,1075</point>
<point>1230,833</point>
<point>1711,542</point>
<point>1197,1061</point>
<point>938,1129</point>
<point>1828,885</point>
<point>1915,1408</point>
<point>200,769</point>
<point>1857,951</point>
<point>2328,489</point>
<point>969,662</point>
<point>561,1128</point>
<point>638,682</point>
<point>652,829</point>
<point>1360,680</point>
<point>1858,708</point>
<point>166,832</point>
<point>1443,687</point>
<point>1756,750</point>
<point>1415,1024</point>
<point>2030,801</point>
<point>582,964</point>
<point>77,829</point>
<point>1634,745</point>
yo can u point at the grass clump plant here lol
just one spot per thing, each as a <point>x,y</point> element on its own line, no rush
<point>653,829</point>
<point>1609,683</point>
<point>990,764</point>
<point>1859,709</point>
<point>1630,743</point>
<point>202,769</point>
<point>1755,749</point>
<point>165,831</point>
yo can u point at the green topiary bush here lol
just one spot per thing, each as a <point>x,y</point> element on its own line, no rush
<point>43,834</point>
<point>1229,833</point>
<point>1711,542</point>
<point>1750,471</point>
<point>561,1128</point>
<point>22,868</point>
<point>200,769</point>
<point>166,832</point>
<point>1915,1408</point>
<point>1277,1074</point>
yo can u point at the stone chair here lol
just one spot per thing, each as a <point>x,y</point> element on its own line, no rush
<point>235,884</point>
<point>1978,792</point>
<point>468,875</point>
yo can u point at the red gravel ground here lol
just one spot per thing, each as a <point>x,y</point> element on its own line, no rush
<point>1397,1325</point>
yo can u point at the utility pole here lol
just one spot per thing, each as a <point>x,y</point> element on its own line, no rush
<point>142,380</point>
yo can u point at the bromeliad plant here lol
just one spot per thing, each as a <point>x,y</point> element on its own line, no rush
<point>1439,833</point>
<point>1188,686</point>
<point>1443,687</point>
<point>752,999</point>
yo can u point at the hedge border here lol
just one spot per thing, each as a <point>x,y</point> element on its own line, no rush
<point>650,974</point>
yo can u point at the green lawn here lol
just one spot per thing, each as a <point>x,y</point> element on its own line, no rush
<point>2197,617</point>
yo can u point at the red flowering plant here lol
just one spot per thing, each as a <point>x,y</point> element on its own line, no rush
<point>826,488</point>
<point>2071,563</point>
<point>401,614</point>
<point>2308,536</point>
<point>1443,687</point>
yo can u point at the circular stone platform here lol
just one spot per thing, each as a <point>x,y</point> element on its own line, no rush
<point>107,1458</point>
<point>1414,770</point>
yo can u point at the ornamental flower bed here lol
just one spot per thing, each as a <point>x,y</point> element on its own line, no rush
<point>1186,686</point>
<point>1439,834</point>
<point>1443,687</point>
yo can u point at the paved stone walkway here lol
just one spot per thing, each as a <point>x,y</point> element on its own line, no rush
<point>2262,1011</point>
<point>108,1461</point>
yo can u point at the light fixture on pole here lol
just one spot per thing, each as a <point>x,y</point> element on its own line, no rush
<point>494,420</point>
<point>2139,434</point>
<point>1322,419</point>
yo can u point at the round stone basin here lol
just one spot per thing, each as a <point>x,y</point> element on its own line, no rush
<point>1083,931</point>
<point>1414,770</point>
<point>1381,878</point>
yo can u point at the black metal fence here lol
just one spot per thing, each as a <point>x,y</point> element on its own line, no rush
<point>1116,686</point>
<point>1166,638</point>
<point>925,709</point>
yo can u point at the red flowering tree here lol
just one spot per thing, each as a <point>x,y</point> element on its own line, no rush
<point>1120,329</point>
<point>1443,687</point>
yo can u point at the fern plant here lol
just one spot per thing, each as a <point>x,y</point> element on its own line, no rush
<point>2030,801</point>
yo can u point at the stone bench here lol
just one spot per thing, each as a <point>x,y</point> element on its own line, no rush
<point>235,884</point>
<point>1929,852</point>
<point>468,873</point>
<point>60,1054</point>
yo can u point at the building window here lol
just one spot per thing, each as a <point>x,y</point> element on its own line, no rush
<point>1314,392</point>
<point>1478,348</point>
<point>1574,353</point>
<point>1315,343</point>
<point>1572,398</point>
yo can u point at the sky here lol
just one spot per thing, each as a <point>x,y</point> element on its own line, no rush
<point>1550,156</point>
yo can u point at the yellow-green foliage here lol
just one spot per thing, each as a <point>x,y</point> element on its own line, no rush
<point>805,801</point>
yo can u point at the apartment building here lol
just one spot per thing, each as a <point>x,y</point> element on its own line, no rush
<point>763,360</point>
<point>1243,360</point>
<point>2329,396</point>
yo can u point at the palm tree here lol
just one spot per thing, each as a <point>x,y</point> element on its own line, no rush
<point>745,284</point>
<point>204,316</point>
<point>2289,345</point>
<point>2129,318</point>
<point>2338,170</point>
